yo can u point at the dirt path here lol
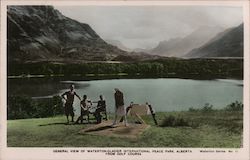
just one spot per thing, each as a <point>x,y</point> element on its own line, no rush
<point>119,130</point>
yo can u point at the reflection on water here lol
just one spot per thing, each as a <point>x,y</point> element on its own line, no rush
<point>164,94</point>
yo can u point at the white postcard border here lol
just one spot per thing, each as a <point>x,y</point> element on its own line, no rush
<point>17,153</point>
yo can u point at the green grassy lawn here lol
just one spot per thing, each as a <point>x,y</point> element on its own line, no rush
<point>212,129</point>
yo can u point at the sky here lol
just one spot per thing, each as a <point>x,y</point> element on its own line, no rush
<point>145,26</point>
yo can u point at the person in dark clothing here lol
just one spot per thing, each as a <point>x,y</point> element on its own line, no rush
<point>68,108</point>
<point>119,106</point>
<point>101,107</point>
<point>84,109</point>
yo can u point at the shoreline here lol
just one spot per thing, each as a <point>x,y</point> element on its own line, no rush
<point>118,76</point>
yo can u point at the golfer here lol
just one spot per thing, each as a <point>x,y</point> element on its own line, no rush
<point>119,106</point>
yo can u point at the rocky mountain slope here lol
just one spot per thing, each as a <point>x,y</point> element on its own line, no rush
<point>41,33</point>
<point>226,44</point>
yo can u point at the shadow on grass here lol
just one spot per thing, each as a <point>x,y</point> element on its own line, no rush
<point>99,129</point>
<point>85,123</point>
<point>60,123</point>
<point>49,124</point>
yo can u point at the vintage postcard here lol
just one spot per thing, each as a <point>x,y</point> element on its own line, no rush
<point>124,80</point>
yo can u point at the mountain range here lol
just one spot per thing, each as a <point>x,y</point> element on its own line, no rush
<point>225,44</point>
<point>118,44</point>
<point>178,47</point>
<point>42,33</point>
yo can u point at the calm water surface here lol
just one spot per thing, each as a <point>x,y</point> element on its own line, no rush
<point>164,94</point>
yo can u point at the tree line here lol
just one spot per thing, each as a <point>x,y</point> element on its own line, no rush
<point>183,68</point>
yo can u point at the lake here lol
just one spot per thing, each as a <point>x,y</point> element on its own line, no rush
<point>164,94</point>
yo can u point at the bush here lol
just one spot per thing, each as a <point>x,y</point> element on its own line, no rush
<point>172,121</point>
<point>193,109</point>
<point>57,105</point>
<point>207,108</point>
<point>21,107</point>
<point>235,106</point>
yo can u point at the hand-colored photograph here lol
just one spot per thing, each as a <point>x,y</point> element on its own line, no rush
<point>125,76</point>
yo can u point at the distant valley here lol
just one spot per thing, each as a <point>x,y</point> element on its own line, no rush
<point>205,42</point>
